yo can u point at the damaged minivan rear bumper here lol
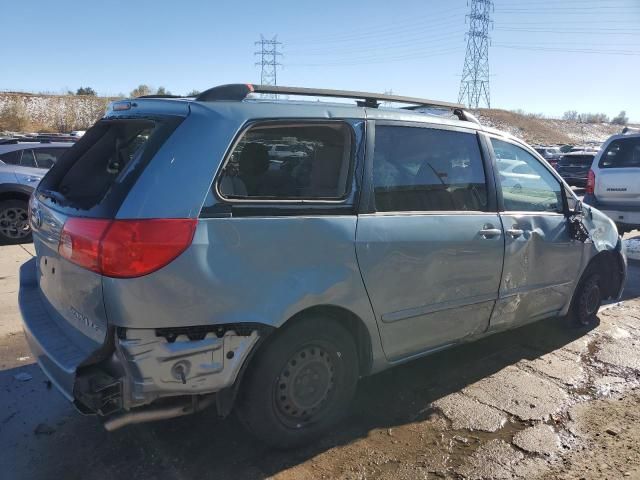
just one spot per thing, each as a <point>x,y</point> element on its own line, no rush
<point>138,374</point>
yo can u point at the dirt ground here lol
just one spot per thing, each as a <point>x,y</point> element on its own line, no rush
<point>539,402</point>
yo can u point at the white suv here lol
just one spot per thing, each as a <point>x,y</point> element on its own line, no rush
<point>613,185</point>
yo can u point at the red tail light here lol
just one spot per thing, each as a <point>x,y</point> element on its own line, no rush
<point>125,248</point>
<point>591,183</point>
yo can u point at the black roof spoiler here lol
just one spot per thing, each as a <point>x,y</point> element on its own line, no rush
<point>240,91</point>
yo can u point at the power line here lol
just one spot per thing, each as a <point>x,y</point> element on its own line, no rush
<point>602,31</point>
<point>474,84</point>
<point>569,50</point>
<point>376,47</point>
<point>376,30</point>
<point>375,60</point>
<point>268,55</point>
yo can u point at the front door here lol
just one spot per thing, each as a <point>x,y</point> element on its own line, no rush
<point>431,247</point>
<point>541,259</point>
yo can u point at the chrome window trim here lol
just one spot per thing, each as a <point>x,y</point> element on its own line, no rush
<point>423,213</point>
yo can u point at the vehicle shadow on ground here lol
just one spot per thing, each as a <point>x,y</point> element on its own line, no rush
<point>203,446</point>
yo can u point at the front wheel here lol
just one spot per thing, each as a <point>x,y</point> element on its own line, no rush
<point>300,384</point>
<point>587,300</point>
<point>14,222</point>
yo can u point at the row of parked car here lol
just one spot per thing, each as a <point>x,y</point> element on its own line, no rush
<point>609,173</point>
<point>571,162</point>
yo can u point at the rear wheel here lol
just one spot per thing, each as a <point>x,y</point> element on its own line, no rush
<point>587,299</point>
<point>14,222</point>
<point>300,384</point>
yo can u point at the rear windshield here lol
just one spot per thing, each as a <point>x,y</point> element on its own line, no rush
<point>622,153</point>
<point>576,160</point>
<point>95,174</point>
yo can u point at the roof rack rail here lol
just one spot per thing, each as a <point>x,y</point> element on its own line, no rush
<point>240,91</point>
<point>630,130</point>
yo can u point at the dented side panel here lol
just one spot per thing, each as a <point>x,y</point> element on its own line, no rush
<point>541,268</point>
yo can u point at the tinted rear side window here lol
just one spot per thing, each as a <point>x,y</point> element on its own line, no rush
<point>621,153</point>
<point>420,169</point>
<point>312,162</point>
<point>27,159</point>
<point>11,158</point>
<point>95,174</point>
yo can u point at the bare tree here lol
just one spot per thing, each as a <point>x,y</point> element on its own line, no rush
<point>570,115</point>
<point>140,91</point>
<point>620,119</point>
<point>86,91</point>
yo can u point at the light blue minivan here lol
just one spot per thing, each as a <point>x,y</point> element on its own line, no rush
<point>181,264</point>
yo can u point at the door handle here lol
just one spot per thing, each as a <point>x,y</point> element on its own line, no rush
<point>489,232</point>
<point>515,232</point>
<point>32,179</point>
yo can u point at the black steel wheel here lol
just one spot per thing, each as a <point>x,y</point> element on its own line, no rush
<point>587,299</point>
<point>304,385</point>
<point>300,383</point>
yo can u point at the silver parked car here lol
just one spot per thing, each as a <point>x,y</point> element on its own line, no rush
<point>23,163</point>
<point>613,183</point>
<point>179,267</point>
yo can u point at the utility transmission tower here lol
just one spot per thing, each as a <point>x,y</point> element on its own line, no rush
<point>269,64</point>
<point>474,86</point>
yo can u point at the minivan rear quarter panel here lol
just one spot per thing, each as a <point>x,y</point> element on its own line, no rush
<point>232,273</point>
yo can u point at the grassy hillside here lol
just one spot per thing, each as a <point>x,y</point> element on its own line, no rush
<point>536,130</point>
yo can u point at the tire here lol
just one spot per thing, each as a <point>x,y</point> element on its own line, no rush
<point>587,300</point>
<point>300,384</point>
<point>14,222</point>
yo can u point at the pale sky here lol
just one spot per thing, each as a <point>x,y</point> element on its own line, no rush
<point>546,56</point>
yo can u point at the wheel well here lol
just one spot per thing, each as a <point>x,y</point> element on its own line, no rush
<point>225,399</point>
<point>352,323</point>
<point>13,196</point>
<point>608,264</point>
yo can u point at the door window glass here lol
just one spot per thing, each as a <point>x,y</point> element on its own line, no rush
<point>11,158</point>
<point>526,184</point>
<point>27,159</point>
<point>420,169</point>
<point>47,157</point>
